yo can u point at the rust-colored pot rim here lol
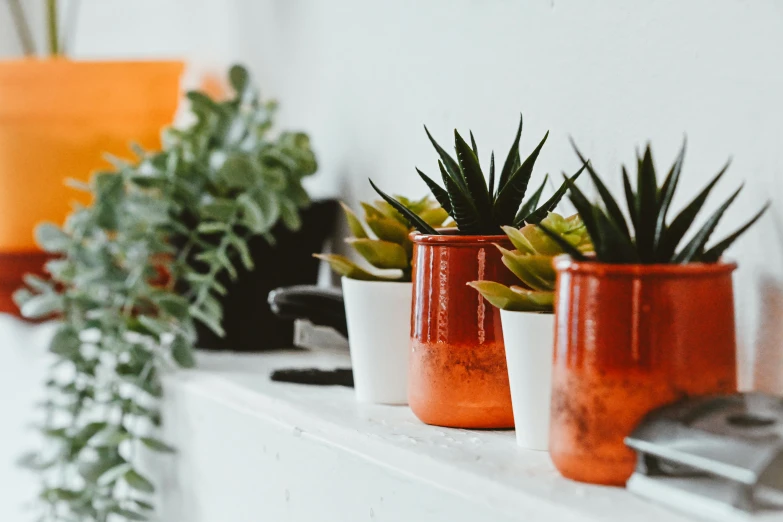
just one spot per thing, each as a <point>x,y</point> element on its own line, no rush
<point>450,236</point>
<point>565,263</point>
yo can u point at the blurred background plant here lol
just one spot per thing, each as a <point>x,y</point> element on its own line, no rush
<point>58,40</point>
<point>391,248</point>
<point>531,262</point>
<point>136,270</point>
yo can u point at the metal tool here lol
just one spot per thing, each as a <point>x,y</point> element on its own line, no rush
<point>720,457</point>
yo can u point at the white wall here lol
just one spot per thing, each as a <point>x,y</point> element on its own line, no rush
<point>363,76</point>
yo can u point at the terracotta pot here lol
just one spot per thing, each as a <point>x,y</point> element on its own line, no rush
<point>57,119</point>
<point>458,374</point>
<point>628,339</point>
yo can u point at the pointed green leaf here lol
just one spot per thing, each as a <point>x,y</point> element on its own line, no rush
<point>512,159</point>
<point>666,195</point>
<point>513,192</point>
<point>695,246</point>
<point>440,194</point>
<point>683,221</point>
<point>492,176</point>
<point>157,445</point>
<point>616,246</point>
<point>473,144</point>
<point>567,247</point>
<point>474,178</point>
<point>549,205</point>
<point>463,209</point>
<point>138,482</point>
<point>631,201</point>
<point>647,194</point>
<point>529,206</point>
<point>452,167</point>
<point>354,224</point>
<point>414,220</point>
<point>714,254</point>
<point>388,229</point>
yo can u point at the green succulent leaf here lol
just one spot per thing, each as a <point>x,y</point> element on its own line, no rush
<point>567,247</point>
<point>695,247</point>
<point>474,179</point>
<point>507,298</point>
<point>714,254</point>
<point>440,194</point>
<point>511,194</point>
<point>345,267</point>
<point>672,236</point>
<point>381,254</point>
<point>414,220</point>
<point>666,195</point>
<point>450,164</point>
<point>549,205</point>
<point>535,271</point>
<point>512,159</point>
<point>529,206</point>
<point>354,224</point>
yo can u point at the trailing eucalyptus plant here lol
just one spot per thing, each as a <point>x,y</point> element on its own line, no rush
<point>391,248</point>
<point>650,238</point>
<point>136,269</point>
<point>531,262</point>
<point>475,204</point>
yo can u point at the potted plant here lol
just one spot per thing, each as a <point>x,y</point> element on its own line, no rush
<point>647,320</point>
<point>458,374</point>
<point>136,271</point>
<point>378,305</point>
<point>526,314</point>
<point>58,117</point>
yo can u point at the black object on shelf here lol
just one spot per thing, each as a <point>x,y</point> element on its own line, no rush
<point>320,306</point>
<point>249,323</point>
<point>314,376</point>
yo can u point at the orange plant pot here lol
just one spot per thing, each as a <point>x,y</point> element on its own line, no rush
<point>57,119</point>
<point>458,375</point>
<point>628,339</point>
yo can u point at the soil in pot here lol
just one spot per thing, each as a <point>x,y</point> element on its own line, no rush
<point>249,323</point>
<point>458,374</point>
<point>631,338</point>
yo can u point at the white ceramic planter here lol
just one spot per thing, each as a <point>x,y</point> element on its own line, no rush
<point>529,340</point>
<point>379,323</point>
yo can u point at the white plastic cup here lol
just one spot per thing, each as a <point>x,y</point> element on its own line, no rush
<point>379,324</point>
<point>529,341</point>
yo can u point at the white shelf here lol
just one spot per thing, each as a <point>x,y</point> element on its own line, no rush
<point>252,449</point>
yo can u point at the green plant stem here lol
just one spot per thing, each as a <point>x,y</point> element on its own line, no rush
<point>22,27</point>
<point>51,16</point>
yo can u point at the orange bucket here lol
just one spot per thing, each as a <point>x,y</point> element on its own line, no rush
<point>57,119</point>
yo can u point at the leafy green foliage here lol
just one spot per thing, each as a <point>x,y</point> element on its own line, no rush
<point>390,247</point>
<point>478,207</point>
<point>655,239</point>
<point>138,268</point>
<point>531,262</point>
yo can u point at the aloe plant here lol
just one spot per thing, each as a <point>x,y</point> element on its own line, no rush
<point>650,238</point>
<point>391,248</point>
<point>531,262</point>
<point>478,206</point>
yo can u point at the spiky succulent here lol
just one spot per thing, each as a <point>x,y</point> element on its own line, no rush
<point>655,239</point>
<point>391,248</point>
<point>531,262</point>
<point>477,206</point>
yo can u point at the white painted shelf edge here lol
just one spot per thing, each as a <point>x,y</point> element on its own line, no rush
<point>484,466</point>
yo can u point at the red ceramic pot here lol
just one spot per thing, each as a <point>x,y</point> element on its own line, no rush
<point>628,339</point>
<point>458,376</point>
